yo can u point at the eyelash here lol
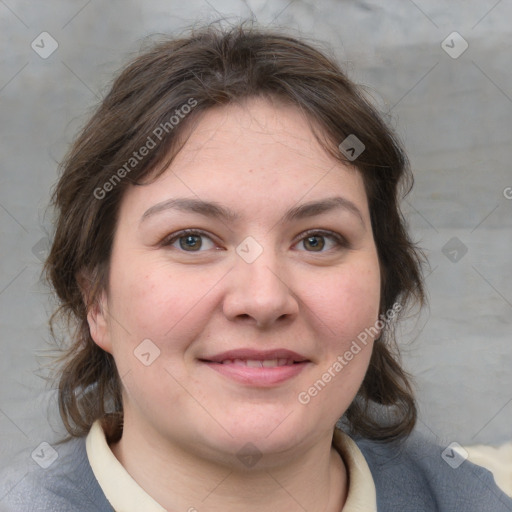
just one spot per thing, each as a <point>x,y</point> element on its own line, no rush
<point>339,240</point>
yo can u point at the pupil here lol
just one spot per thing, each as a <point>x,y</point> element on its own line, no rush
<point>314,242</point>
<point>191,242</point>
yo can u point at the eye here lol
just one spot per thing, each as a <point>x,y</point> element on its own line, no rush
<point>318,240</point>
<point>193,240</point>
<point>189,240</point>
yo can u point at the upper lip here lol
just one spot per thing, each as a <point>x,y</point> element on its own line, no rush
<point>256,355</point>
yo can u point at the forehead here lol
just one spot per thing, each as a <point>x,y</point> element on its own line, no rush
<point>265,134</point>
<point>258,154</point>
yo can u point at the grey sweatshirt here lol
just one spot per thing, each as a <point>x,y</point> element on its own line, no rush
<point>410,476</point>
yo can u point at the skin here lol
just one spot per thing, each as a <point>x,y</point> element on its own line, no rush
<point>184,422</point>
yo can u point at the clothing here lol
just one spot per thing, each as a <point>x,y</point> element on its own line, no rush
<point>409,476</point>
<point>497,459</point>
<point>125,495</point>
<point>67,485</point>
<point>414,476</point>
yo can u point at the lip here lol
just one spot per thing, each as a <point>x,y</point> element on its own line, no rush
<point>260,376</point>
<point>257,355</point>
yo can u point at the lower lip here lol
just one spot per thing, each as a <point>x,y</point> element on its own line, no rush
<point>263,377</point>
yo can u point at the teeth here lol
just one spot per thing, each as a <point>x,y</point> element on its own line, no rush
<point>251,363</point>
<point>256,363</point>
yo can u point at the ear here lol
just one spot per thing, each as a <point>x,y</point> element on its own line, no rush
<point>98,323</point>
<point>97,312</point>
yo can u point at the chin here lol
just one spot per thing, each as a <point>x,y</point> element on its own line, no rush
<point>266,434</point>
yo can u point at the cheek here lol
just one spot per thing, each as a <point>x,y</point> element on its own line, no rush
<point>150,302</point>
<point>347,302</point>
<point>155,301</point>
<point>346,307</point>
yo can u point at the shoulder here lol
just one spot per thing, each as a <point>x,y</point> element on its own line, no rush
<point>416,474</point>
<point>53,478</point>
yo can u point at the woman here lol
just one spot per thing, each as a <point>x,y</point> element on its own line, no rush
<point>230,247</point>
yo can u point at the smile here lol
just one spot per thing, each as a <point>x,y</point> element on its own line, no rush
<point>256,363</point>
<point>258,368</point>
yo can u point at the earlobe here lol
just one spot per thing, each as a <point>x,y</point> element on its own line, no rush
<point>96,312</point>
<point>98,324</point>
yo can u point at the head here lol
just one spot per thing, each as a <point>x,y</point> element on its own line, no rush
<point>250,122</point>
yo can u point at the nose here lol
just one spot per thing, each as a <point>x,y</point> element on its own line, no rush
<point>260,292</point>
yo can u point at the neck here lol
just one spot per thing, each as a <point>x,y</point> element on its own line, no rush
<point>314,480</point>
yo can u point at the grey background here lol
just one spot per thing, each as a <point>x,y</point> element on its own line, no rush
<point>454,116</point>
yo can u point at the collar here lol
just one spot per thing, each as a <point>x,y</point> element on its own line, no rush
<point>125,495</point>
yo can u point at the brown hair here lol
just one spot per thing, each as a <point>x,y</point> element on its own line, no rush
<point>213,67</point>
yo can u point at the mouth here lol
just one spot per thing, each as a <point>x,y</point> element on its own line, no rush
<point>257,368</point>
<point>260,363</point>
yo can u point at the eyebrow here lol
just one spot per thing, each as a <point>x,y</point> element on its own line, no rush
<point>217,211</point>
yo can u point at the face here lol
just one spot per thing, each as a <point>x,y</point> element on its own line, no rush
<point>239,281</point>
